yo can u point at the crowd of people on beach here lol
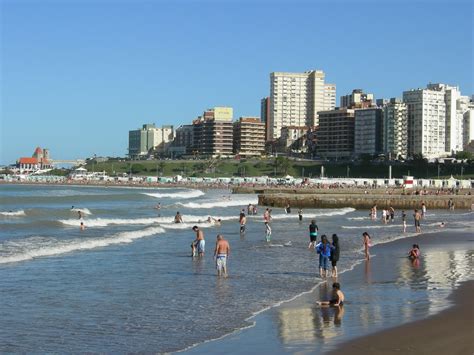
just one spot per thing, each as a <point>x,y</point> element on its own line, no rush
<point>328,251</point>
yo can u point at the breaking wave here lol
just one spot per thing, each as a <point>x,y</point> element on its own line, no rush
<point>180,194</point>
<point>36,247</point>
<point>221,202</point>
<point>13,213</point>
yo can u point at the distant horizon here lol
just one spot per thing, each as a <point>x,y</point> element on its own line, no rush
<point>78,77</point>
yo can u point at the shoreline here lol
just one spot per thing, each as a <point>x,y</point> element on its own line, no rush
<point>449,331</point>
<point>253,337</point>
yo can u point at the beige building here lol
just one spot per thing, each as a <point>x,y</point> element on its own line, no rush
<point>395,128</point>
<point>149,139</point>
<point>249,136</point>
<point>213,133</point>
<point>357,99</point>
<point>296,99</point>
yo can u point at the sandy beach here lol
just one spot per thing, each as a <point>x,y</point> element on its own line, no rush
<point>393,306</point>
<point>449,332</point>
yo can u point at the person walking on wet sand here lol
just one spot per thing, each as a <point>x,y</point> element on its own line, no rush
<point>367,244</point>
<point>417,218</point>
<point>221,253</point>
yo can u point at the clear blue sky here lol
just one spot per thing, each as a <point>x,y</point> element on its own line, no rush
<point>78,75</point>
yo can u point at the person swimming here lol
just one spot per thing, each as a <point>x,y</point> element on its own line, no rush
<point>178,218</point>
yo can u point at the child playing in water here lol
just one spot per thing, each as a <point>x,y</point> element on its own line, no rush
<point>337,299</point>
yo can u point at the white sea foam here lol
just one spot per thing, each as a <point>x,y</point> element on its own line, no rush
<point>13,213</point>
<point>103,222</point>
<point>242,201</point>
<point>36,247</point>
<point>180,194</point>
<point>358,218</point>
<point>82,210</point>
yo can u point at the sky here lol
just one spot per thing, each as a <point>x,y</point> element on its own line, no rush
<point>76,76</point>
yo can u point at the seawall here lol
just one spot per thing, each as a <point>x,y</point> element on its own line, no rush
<point>364,201</point>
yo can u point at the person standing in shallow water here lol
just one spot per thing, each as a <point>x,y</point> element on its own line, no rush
<point>334,254</point>
<point>300,214</point>
<point>221,253</point>
<point>323,248</point>
<point>367,244</point>
<point>313,233</point>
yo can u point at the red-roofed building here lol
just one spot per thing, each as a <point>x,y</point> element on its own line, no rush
<point>39,160</point>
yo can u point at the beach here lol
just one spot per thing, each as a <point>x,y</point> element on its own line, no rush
<point>392,306</point>
<point>127,282</point>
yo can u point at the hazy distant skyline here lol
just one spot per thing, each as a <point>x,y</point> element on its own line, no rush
<point>77,77</point>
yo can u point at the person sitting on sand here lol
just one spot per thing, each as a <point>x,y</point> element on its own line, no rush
<point>337,299</point>
<point>178,218</point>
<point>414,253</point>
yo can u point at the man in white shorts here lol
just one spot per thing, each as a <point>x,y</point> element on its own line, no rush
<point>221,253</point>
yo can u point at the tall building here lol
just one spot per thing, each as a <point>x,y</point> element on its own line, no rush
<point>296,99</point>
<point>368,131</point>
<point>184,136</point>
<point>249,136</point>
<point>395,128</point>
<point>142,142</point>
<point>265,116</point>
<point>453,122</point>
<point>357,99</point>
<point>468,126</point>
<point>213,133</point>
<point>336,133</point>
<point>426,122</point>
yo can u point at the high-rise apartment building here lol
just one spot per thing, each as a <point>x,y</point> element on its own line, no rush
<point>265,116</point>
<point>395,128</point>
<point>213,133</point>
<point>468,125</point>
<point>149,138</point>
<point>296,99</point>
<point>336,133</point>
<point>249,136</point>
<point>454,121</point>
<point>368,131</point>
<point>426,122</point>
<point>184,136</point>
<point>357,99</point>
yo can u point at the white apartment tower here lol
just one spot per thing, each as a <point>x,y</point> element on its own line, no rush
<point>454,122</point>
<point>426,122</point>
<point>395,128</point>
<point>296,99</point>
<point>468,125</point>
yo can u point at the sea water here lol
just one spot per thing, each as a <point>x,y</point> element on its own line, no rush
<point>127,282</point>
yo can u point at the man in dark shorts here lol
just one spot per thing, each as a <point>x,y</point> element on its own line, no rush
<point>313,233</point>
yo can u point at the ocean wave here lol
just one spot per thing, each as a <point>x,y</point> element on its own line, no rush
<point>103,222</point>
<point>82,210</point>
<point>13,213</point>
<point>358,218</point>
<point>221,203</point>
<point>36,247</point>
<point>180,194</point>
<point>328,213</point>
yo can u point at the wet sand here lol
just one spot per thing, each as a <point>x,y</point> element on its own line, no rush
<point>387,294</point>
<point>450,332</point>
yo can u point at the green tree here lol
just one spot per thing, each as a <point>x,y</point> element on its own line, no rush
<point>464,155</point>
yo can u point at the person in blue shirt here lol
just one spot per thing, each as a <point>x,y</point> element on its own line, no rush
<point>323,248</point>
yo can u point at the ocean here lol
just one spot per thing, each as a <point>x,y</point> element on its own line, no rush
<point>127,283</point>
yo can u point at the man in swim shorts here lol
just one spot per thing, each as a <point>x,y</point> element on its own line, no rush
<point>221,253</point>
<point>199,243</point>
